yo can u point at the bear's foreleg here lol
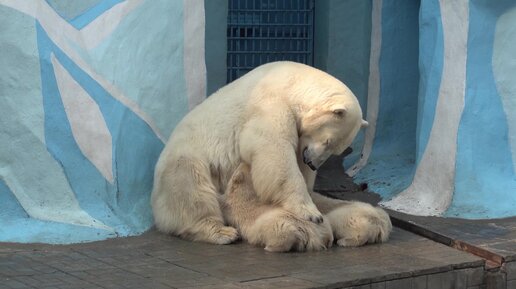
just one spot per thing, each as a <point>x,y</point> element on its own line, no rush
<point>353,223</point>
<point>275,174</point>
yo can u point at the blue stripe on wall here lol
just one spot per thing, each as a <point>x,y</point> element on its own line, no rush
<point>91,189</point>
<point>92,13</point>
<point>124,205</point>
<point>69,9</point>
<point>431,59</point>
<point>390,167</point>
<point>485,180</point>
<point>10,208</point>
<point>81,13</point>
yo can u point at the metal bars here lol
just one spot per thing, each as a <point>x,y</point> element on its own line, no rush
<point>261,31</point>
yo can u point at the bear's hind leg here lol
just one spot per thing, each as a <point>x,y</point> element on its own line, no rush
<point>184,203</point>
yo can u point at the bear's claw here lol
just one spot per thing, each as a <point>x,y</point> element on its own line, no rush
<point>226,235</point>
<point>308,212</point>
<point>312,214</point>
<point>316,219</point>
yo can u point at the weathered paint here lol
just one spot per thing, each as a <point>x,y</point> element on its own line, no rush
<point>431,190</point>
<point>390,140</point>
<point>92,90</point>
<point>102,86</point>
<point>485,182</point>
<point>463,147</point>
<point>504,65</point>
<point>28,169</point>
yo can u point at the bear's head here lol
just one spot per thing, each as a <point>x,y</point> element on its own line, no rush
<point>329,127</point>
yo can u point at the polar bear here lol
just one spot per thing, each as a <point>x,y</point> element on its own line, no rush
<point>354,223</point>
<point>284,119</point>
<point>269,225</point>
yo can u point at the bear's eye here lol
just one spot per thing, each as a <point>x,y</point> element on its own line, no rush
<point>327,142</point>
<point>340,112</point>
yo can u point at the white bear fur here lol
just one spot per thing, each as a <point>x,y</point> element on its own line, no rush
<point>269,225</point>
<point>274,119</point>
<point>354,223</point>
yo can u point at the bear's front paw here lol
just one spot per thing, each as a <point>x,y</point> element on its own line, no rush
<point>225,235</point>
<point>308,212</point>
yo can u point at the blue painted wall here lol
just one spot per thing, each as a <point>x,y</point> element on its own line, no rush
<point>91,90</point>
<point>392,159</point>
<point>413,165</point>
<point>485,184</point>
<point>87,106</point>
<point>430,69</point>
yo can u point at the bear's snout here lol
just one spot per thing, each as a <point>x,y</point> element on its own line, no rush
<point>307,160</point>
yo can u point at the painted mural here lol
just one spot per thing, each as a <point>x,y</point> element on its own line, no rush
<point>90,92</point>
<point>92,89</point>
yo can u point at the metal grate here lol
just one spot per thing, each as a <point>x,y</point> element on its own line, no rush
<point>261,31</point>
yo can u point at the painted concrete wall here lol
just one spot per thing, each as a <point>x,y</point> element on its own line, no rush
<point>216,44</point>
<point>90,92</point>
<point>92,89</point>
<point>343,50</point>
<point>389,145</point>
<point>441,101</point>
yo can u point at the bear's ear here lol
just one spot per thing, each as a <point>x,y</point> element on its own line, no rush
<point>364,124</point>
<point>339,112</point>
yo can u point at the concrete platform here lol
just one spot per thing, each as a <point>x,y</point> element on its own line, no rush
<point>494,240</point>
<point>155,260</point>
